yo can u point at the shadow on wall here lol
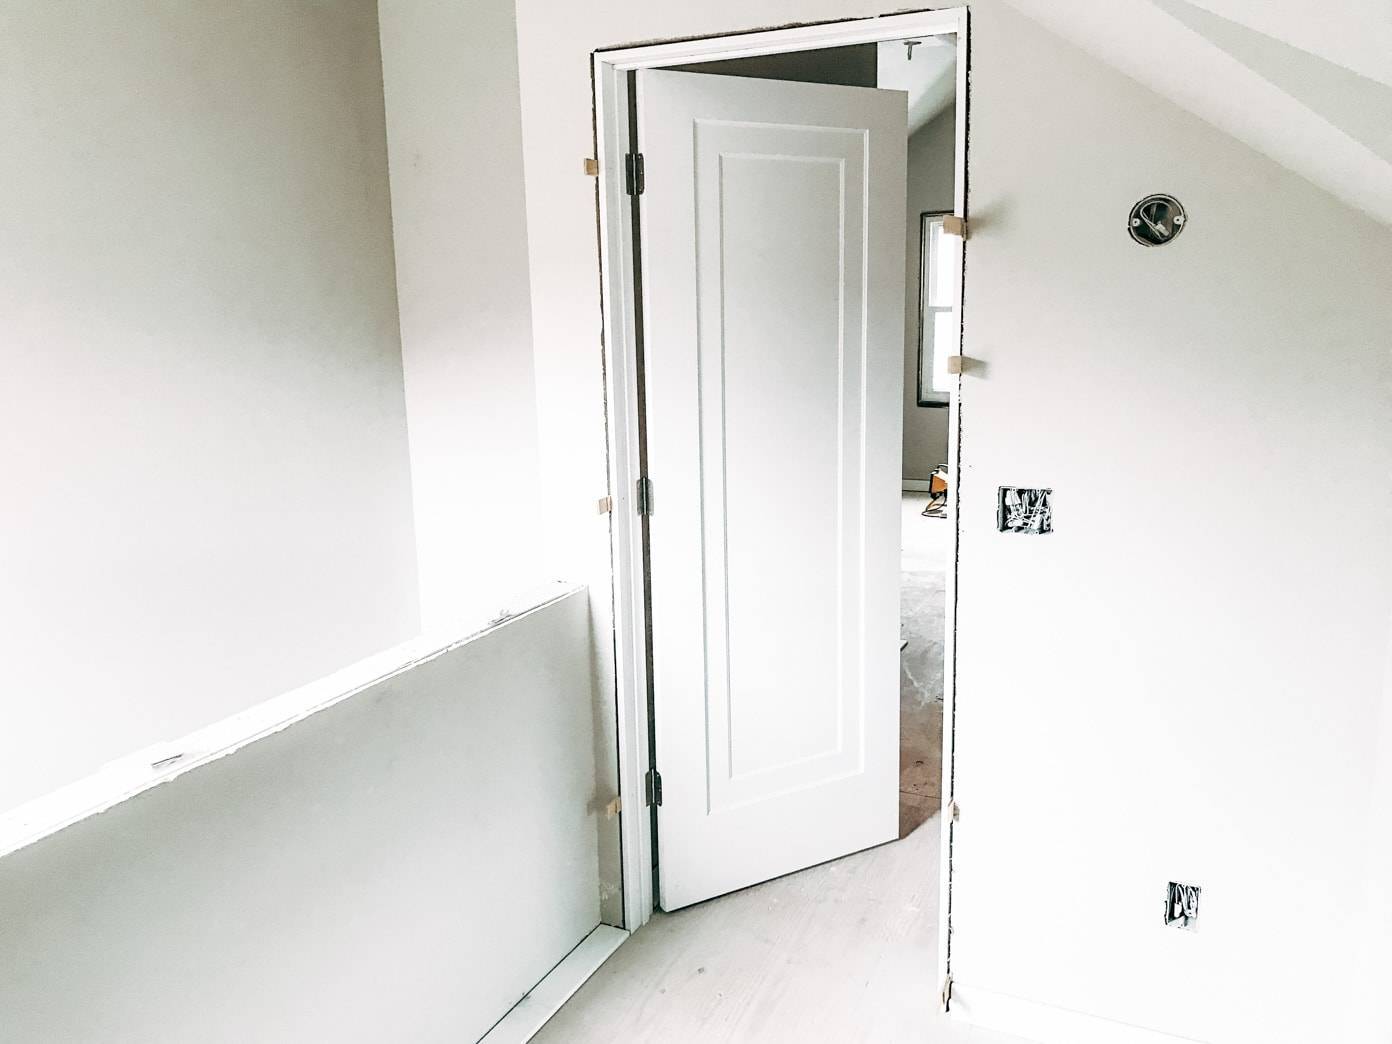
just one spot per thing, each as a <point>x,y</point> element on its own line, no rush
<point>1358,106</point>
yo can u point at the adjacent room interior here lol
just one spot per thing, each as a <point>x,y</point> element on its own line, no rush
<point>926,68</point>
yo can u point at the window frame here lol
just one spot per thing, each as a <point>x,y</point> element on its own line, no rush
<point>925,394</point>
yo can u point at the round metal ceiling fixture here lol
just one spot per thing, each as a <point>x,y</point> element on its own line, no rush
<point>1156,220</point>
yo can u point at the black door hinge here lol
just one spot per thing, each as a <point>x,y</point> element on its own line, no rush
<point>645,496</point>
<point>633,174</point>
<point>652,787</point>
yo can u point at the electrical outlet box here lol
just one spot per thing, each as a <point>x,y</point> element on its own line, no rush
<point>1021,510</point>
<point>1182,906</point>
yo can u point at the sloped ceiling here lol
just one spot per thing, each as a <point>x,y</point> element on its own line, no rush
<point>1308,84</point>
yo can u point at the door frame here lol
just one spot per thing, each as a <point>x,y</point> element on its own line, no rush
<point>623,421</point>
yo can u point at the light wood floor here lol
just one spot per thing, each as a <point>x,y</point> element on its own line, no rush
<point>840,953</point>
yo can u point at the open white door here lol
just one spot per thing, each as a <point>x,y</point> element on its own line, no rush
<point>773,287</point>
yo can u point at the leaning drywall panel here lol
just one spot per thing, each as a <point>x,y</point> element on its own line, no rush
<point>404,865</point>
<point>202,428</point>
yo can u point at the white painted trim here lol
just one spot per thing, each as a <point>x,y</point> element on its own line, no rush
<point>549,995</point>
<point>136,773</point>
<point>1047,1024</point>
<point>630,615</point>
<point>795,38</point>
<point>611,108</point>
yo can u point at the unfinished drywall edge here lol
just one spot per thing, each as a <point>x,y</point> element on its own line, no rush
<point>1047,1024</point>
<point>948,786</point>
<point>121,780</point>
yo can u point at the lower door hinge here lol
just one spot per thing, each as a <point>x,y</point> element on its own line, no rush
<point>652,787</point>
<point>945,997</point>
<point>633,174</point>
<point>645,496</point>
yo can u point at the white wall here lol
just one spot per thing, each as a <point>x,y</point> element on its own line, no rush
<point>487,526</point>
<point>453,128</point>
<point>1377,964</point>
<point>1193,689</point>
<point>1309,92</point>
<point>1368,1013</point>
<point>202,434</point>
<point>932,154</point>
<point>1204,663</point>
<point>403,866</point>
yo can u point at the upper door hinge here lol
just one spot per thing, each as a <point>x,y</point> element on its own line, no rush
<point>652,787</point>
<point>945,996</point>
<point>645,496</point>
<point>633,174</point>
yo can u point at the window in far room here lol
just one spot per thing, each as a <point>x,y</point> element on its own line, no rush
<point>939,328</point>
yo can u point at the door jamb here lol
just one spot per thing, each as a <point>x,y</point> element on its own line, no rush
<point>611,100</point>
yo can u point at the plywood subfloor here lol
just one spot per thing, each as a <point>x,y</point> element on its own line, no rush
<point>925,552</point>
<point>920,764</point>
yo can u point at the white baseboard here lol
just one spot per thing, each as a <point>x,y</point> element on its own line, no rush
<point>915,486</point>
<point>546,998</point>
<point>1047,1024</point>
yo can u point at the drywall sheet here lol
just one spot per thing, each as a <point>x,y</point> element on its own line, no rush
<point>404,865</point>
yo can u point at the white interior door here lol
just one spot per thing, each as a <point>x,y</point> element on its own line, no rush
<point>773,283</point>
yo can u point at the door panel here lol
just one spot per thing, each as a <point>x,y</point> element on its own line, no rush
<point>773,258</point>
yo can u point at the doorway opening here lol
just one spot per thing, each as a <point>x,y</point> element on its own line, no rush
<point>765,511</point>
